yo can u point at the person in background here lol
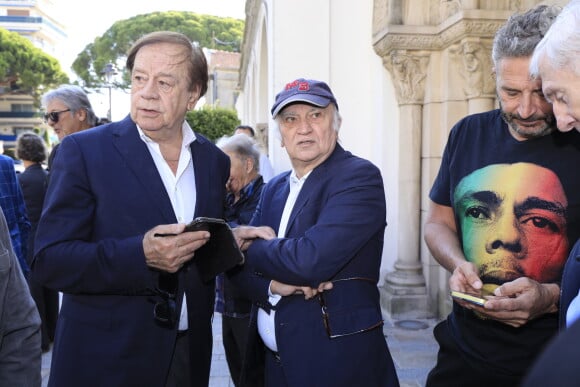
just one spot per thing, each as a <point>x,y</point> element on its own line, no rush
<point>266,169</point>
<point>504,193</point>
<point>556,61</point>
<point>135,311</point>
<point>68,110</point>
<point>244,189</point>
<point>31,150</point>
<point>20,356</point>
<point>313,253</point>
<point>12,203</point>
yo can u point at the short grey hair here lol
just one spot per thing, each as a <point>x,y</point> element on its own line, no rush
<point>561,45</point>
<point>520,35</point>
<point>243,146</point>
<point>336,119</point>
<point>74,98</point>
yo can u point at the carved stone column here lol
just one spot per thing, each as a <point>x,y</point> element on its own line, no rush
<point>404,293</point>
<point>473,58</point>
<point>452,37</point>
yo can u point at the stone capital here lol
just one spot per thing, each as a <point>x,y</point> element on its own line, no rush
<point>409,71</point>
<point>472,57</point>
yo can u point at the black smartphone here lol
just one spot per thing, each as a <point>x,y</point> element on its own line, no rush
<point>220,253</point>
<point>203,223</point>
<point>200,223</point>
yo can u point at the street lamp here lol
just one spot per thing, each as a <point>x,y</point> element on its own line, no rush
<point>109,71</point>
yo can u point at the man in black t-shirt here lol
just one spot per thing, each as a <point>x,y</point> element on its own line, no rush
<point>505,208</point>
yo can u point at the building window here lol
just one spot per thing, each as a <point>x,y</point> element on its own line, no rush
<point>18,12</point>
<point>19,130</point>
<point>22,107</point>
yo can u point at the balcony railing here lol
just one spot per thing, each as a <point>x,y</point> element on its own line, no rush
<point>20,19</point>
<point>19,114</point>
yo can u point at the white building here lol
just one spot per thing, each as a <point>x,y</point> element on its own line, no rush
<point>31,19</point>
<point>398,72</point>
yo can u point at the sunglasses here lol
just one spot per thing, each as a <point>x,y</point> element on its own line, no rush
<point>53,116</point>
<point>165,311</point>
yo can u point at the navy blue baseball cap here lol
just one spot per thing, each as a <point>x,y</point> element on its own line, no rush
<point>309,91</point>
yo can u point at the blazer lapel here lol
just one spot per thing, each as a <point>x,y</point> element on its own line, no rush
<point>312,183</point>
<point>137,157</point>
<point>278,202</point>
<point>301,200</point>
<point>200,156</point>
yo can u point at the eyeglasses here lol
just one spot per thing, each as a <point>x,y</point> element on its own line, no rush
<point>165,311</point>
<point>53,116</point>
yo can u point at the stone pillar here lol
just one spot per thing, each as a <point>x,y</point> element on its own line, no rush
<point>454,37</point>
<point>473,59</point>
<point>404,294</point>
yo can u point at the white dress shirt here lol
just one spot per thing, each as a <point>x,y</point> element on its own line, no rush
<point>180,187</point>
<point>266,322</point>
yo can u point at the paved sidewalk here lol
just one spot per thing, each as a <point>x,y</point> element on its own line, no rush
<point>411,342</point>
<point>413,348</point>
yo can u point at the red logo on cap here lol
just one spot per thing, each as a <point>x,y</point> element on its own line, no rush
<point>302,86</point>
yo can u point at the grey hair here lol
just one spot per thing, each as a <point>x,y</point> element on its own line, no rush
<point>520,35</point>
<point>243,146</point>
<point>74,98</point>
<point>561,45</point>
<point>336,119</point>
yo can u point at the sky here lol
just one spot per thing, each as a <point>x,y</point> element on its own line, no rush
<point>85,20</point>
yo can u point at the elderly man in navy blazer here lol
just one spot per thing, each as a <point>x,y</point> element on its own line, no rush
<point>135,311</point>
<point>314,251</point>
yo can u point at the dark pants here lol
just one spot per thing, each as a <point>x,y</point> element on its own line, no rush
<point>245,362</point>
<point>274,374</point>
<point>47,304</point>
<point>179,375</point>
<point>454,369</point>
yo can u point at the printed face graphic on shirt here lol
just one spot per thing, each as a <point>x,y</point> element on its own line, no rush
<point>513,222</point>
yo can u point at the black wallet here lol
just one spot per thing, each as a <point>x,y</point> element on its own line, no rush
<point>220,253</point>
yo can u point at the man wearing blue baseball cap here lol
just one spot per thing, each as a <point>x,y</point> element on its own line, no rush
<point>313,253</point>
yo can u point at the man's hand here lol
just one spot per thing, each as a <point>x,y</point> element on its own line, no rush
<point>521,301</point>
<point>517,302</point>
<point>465,278</point>
<point>290,290</point>
<point>245,235</point>
<point>171,248</point>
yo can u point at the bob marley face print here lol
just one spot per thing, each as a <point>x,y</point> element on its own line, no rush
<point>513,222</point>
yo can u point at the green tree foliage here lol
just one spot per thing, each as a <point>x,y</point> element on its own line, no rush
<point>113,45</point>
<point>25,68</point>
<point>213,122</point>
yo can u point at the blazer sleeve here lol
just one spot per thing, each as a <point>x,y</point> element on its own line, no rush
<point>341,219</point>
<point>81,248</point>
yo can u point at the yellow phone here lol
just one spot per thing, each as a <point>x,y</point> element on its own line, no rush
<point>475,298</point>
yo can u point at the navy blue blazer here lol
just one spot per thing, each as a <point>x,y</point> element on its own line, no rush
<point>104,194</point>
<point>335,233</point>
<point>570,282</point>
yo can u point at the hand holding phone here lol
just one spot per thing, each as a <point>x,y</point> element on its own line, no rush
<point>476,299</point>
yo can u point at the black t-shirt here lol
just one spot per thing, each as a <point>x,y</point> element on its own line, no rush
<point>517,211</point>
